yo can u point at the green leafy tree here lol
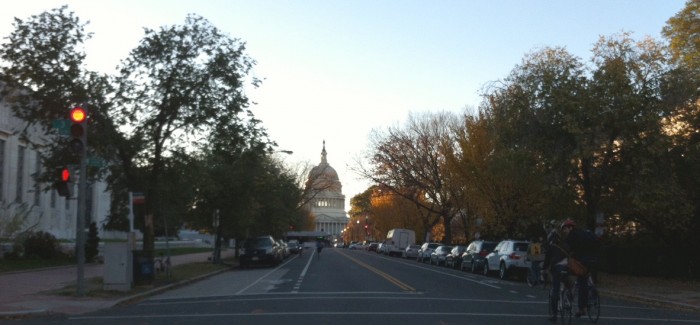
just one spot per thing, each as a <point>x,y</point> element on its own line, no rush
<point>178,83</point>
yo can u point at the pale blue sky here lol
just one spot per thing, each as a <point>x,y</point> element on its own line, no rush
<point>334,70</point>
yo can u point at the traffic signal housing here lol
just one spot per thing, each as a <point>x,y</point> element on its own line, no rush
<point>64,181</point>
<point>78,129</point>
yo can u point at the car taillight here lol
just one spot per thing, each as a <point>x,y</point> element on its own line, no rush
<point>483,253</point>
<point>514,256</point>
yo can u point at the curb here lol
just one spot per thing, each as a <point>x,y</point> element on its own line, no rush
<point>137,297</point>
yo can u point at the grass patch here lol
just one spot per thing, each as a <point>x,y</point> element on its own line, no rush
<point>183,250</point>
<point>94,286</point>
<point>22,264</point>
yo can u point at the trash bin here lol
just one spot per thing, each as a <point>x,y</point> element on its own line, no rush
<point>143,268</point>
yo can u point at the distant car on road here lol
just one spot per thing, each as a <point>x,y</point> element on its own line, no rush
<point>372,247</point>
<point>474,258</point>
<point>439,255</point>
<point>454,258</point>
<point>261,250</point>
<point>508,257</point>
<point>294,246</point>
<point>425,250</point>
<point>411,251</point>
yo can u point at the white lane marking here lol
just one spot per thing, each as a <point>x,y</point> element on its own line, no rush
<point>262,277</point>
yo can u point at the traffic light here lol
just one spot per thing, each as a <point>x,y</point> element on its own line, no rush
<point>64,182</point>
<point>78,129</point>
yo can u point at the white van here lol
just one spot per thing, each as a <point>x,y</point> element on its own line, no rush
<point>398,239</point>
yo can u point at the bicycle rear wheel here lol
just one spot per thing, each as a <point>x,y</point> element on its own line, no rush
<point>593,308</point>
<point>551,307</point>
<point>566,306</point>
<point>531,279</point>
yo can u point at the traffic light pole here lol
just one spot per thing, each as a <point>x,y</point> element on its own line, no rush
<point>78,116</point>
<point>80,224</point>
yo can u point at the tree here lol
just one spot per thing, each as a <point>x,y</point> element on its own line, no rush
<point>390,210</point>
<point>682,32</point>
<point>178,83</point>
<point>411,163</point>
<point>175,88</point>
<point>43,75</point>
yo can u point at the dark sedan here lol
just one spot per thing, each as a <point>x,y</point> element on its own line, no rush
<point>439,255</point>
<point>474,258</point>
<point>262,250</point>
<point>454,258</point>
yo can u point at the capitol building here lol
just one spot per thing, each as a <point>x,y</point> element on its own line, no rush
<point>325,198</point>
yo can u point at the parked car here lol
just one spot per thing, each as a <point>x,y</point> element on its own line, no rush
<point>439,255</point>
<point>284,248</point>
<point>383,249</point>
<point>454,258</point>
<point>372,247</point>
<point>260,250</point>
<point>425,250</point>
<point>294,246</point>
<point>411,251</point>
<point>474,258</point>
<point>508,257</point>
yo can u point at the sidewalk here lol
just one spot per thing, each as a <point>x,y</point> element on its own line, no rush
<point>25,293</point>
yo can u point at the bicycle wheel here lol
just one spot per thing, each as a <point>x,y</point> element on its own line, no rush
<point>593,307</point>
<point>551,308</point>
<point>566,309</point>
<point>531,279</point>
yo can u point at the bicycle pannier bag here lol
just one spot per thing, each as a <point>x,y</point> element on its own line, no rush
<point>576,267</point>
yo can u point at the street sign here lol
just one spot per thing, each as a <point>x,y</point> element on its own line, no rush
<point>61,125</point>
<point>96,162</point>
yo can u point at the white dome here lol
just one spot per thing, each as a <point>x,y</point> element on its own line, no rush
<point>323,177</point>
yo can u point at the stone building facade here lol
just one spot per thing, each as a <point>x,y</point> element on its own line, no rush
<point>25,203</point>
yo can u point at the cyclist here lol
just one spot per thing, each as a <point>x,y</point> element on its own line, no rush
<point>535,254</point>
<point>319,247</point>
<point>554,264</point>
<point>583,246</point>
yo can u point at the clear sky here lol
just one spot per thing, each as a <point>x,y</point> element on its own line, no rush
<point>334,70</point>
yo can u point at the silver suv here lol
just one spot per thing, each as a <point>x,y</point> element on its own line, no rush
<point>508,257</point>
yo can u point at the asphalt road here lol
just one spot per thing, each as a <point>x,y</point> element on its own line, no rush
<point>358,287</point>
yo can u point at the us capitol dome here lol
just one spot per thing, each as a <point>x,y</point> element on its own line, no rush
<point>325,197</point>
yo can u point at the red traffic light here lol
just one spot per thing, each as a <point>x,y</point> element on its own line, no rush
<point>63,181</point>
<point>78,115</point>
<point>65,175</point>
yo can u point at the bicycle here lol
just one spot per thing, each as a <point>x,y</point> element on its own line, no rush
<point>162,264</point>
<point>564,307</point>
<point>535,275</point>
<point>593,305</point>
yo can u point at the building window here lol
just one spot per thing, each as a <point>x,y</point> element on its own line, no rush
<point>20,174</point>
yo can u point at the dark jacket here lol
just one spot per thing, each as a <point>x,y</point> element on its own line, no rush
<point>556,252</point>
<point>583,244</point>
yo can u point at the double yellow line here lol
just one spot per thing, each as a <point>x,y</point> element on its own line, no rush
<point>395,281</point>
